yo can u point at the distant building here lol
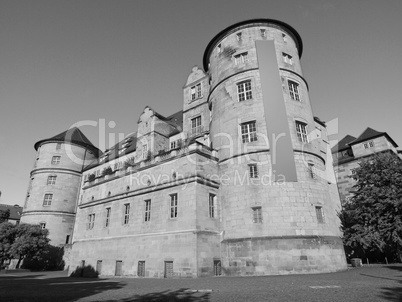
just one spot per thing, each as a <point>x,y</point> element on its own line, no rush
<point>15,212</point>
<point>351,150</point>
<point>238,182</point>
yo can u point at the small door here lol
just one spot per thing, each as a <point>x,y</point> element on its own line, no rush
<point>168,269</point>
<point>217,267</point>
<point>141,269</point>
<point>82,268</point>
<point>119,265</point>
<point>99,266</point>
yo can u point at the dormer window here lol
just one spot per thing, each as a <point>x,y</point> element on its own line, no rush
<point>241,58</point>
<point>287,58</point>
<point>196,92</point>
<point>238,36</point>
<point>121,151</point>
<point>369,144</point>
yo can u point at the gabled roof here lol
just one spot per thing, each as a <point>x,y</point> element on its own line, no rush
<point>370,133</point>
<point>15,211</point>
<point>72,135</point>
<point>343,144</point>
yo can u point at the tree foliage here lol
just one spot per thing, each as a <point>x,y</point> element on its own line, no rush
<point>4,215</point>
<point>19,241</point>
<point>371,219</point>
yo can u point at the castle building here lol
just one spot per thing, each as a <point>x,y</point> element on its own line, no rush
<point>351,150</point>
<point>239,182</point>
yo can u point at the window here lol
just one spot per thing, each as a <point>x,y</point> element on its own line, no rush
<point>263,32</point>
<point>126,213</point>
<point>244,91</point>
<point>42,225</point>
<point>294,91</point>
<point>284,38</point>
<point>196,91</point>
<point>371,144</point>
<point>248,132</point>
<point>238,36</point>
<point>107,221</point>
<point>122,150</point>
<point>320,215</point>
<point>141,269</point>
<point>212,205</point>
<point>241,58</point>
<point>219,48</point>
<point>47,200</point>
<point>253,171</point>
<point>91,221</point>
<point>196,125</point>
<point>58,146</point>
<point>173,206</point>
<point>287,58</point>
<point>67,239</point>
<point>368,145</point>
<point>312,170</point>
<point>257,216</point>
<point>51,180</point>
<point>301,130</point>
<point>144,151</point>
<point>56,160</point>
<point>147,210</point>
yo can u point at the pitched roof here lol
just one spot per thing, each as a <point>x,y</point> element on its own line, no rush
<point>370,133</point>
<point>73,135</point>
<point>15,211</point>
<point>343,144</point>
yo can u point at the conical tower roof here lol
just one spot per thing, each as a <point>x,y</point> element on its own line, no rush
<point>72,135</point>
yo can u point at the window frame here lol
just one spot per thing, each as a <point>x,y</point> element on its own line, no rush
<point>58,146</point>
<point>287,58</point>
<point>197,129</point>
<point>107,219</point>
<point>248,132</point>
<point>241,58</point>
<point>173,206</point>
<point>56,159</point>
<point>196,91</point>
<point>212,205</point>
<point>301,131</point>
<point>294,90</point>
<point>47,199</point>
<point>311,168</point>
<point>244,90</point>
<point>147,212</point>
<point>51,180</point>
<point>257,214</point>
<point>319,213</point>
<point>91,221</point>
<point>253,170</point>
<point>126,214</point>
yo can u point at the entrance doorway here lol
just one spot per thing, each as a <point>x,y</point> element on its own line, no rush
<point>119,265</point>
<point>168,269</point>
<point>217,268</point>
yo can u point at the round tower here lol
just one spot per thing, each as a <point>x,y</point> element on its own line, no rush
<point>55,183</point>
<point>278,207</point>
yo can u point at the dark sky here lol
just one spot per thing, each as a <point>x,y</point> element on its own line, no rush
<point>67,62</point>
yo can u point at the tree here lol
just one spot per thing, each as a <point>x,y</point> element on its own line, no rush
<point>7,238</point>
<point>372,219</point>
<point>4,215</point>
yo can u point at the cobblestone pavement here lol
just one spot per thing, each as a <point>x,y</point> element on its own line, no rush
<point>372,283</point>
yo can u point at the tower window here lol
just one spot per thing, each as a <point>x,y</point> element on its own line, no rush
<point>58,146</point>
<point>248,132</point>
<point>91,221</point>
<point>219,48</point>
<point>107,221</point>
<point>238,36</point>
<point>287,58</point>
<point>241,58</point>
<point>51,180</point>
<point>126,213</point>
<point>253,170</point>
<point>196,125</point>
<point>294,91</point>
<point>212,205</point>
<point>173,206</point>
<point>56,160</point>
<point>257,215</point>
<point>263,32</point>
<point>47,200</point>
<point>312,170</point>
<point>319,213</point>
<point>147,210</point>
<point>301,130</point>
<point>284,38</point>
<point>42,225</point>
<point>196,91</point>
<point>144,151</point>
<point>244,91</point>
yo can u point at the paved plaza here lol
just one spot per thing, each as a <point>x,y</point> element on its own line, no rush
<point>369,283</point>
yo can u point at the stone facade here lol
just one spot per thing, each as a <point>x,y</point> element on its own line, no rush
<point>199,193</point>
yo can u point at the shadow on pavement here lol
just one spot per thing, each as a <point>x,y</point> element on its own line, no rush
<point>177,295</point>
<point>33,288</point>
<point>393,293</point>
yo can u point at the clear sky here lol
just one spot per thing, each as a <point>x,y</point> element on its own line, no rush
<point>63,62</point>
